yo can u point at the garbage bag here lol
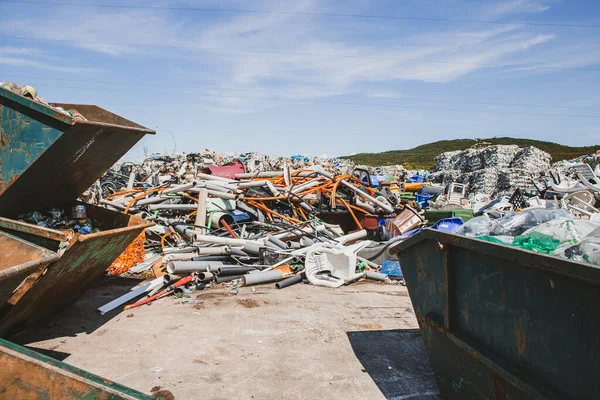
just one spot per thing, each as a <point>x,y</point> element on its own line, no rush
<point>537,242</point>
<point>332,265</point>
<point>588,250</point>
<point>478,226</point>
<point>514,224</point>
<point>567,232</point>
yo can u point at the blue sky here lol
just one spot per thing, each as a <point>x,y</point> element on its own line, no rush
<point>289,83</point>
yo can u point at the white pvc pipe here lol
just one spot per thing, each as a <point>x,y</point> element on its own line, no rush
<point>213,178</point>
<point>352,236</point>
<point>179,188</point>
<point>384,205</point>
<point>221,240</point>
<point>201,208</point>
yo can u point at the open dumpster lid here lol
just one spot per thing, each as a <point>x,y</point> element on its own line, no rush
<point>48,159</point>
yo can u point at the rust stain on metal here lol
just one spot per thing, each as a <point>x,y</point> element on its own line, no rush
<point>500,392</point>
<point>26,375</point>
<point>67,278</point>
<point>521,339</point>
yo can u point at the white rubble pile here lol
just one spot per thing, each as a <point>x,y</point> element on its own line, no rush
<point>493,169</point>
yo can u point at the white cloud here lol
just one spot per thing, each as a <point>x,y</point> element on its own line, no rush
<point>504,8</point>
<point>361,60</point>
<point>35,58</point>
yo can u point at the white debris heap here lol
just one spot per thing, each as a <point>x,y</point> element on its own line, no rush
<point>493,169</point>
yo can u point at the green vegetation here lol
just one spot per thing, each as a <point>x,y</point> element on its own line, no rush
<point>422,157</point>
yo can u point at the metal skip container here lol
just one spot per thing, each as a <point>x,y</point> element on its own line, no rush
<point>48,159</point>
<point>19,260</point>
<point>26,374</point>
<point>504,323</point>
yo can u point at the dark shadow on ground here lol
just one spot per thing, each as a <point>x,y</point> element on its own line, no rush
<point>57,355</point>
<point>81,317</point>
<point>397,362</point>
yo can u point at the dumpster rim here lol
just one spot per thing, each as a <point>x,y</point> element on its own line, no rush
<point>512,254</point>
<point>46,258</point>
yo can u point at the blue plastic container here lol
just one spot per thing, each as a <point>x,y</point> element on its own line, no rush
<point>392,269</point>
<point>448,225</point>
<point>415,179</point>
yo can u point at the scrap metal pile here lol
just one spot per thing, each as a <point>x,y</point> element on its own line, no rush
<point>287,226</point>
<point>216,223</point>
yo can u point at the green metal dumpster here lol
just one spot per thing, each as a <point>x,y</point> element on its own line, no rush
<point>48,159</point>
<point>504,323</point>
<point>26,374</point>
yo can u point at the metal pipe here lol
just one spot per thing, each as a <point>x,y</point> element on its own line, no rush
<point>365,206</point>
<point>211,258</point>
<point>270,174</point>
<point>293,245</point>
<point>185,231</point>
<point>376,276</point>
<point>205,276</point>
<point>228,278</point>
<point>234,270</point>
<point>213,186</point>
<point>277,242</point>
<point>292,280</point>
<point>131,180</point>
<point>352,236</point>
<point>187,267</point>
<point>179,188</point>
<point>154,207</point>
<point>152,200</point>
<point>262,277</point>
<point>370,263</point>
<point>264,174</point>
<point>171,278</point>
<point>385,205</point>
<point>179,257</point>
<point>214,251</point>
<point>238,252</point>
<point>221,240</point>
<point>252,247</point>
<point>118,206</point>
<point>222,194</point>
<point>307,185</point>
<point>305,242</point>
<point>208,177</point>
<point>217,217</point>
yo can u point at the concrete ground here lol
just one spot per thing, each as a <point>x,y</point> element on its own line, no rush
<point>303,342</point>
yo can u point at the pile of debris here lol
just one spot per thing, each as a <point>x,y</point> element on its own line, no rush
<point>491,170</point>
<point>178,168</point>
<point>285,227</point>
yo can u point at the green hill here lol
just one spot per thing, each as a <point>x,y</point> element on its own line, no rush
<point>422,157</point>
